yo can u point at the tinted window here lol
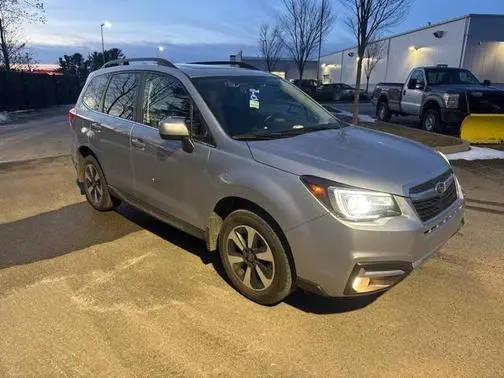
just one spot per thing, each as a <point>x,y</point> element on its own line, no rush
<point>120,96</point>
<point>165,96</point>
<point>94,92</point>
<point>440,76</point>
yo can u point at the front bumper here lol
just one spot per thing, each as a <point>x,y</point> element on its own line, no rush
<point>327,250</point>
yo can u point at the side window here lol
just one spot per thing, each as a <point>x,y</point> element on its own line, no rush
<point>121,95</point>
<point>165,96</point>
<point>94,92</point>
<point>418,76</point>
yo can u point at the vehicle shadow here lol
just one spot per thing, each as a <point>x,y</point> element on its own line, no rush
<point>58,232</point>
<point>316,304</point>
<point>174,236</point>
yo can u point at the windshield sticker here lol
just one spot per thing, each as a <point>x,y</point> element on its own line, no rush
<point>254,99</point>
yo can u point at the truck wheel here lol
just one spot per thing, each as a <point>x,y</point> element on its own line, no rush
<point>254,258</point>
<point>383,111</point>
<point>431,121</point>
<point>95,186</point>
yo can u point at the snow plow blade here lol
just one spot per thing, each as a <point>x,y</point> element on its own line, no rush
<point>483,128</point>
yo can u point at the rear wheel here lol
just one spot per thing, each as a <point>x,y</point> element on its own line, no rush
<point>431,121</point>
<point>95,186</point>
<point>383,111</point>
<point>254,258</point>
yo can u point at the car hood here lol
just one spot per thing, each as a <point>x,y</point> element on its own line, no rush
<point>353,156</point>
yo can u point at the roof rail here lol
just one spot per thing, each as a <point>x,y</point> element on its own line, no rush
<point>126,62</point>
<point>225,62</point>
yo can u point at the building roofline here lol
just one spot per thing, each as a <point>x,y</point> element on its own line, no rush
<point>419,29</point>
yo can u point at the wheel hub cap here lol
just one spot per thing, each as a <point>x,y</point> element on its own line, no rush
<point>250,257</point>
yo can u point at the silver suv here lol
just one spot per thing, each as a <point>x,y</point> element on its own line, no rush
<point>288,195</point>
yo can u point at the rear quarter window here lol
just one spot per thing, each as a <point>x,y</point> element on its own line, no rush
<point>121,93</point>
<point>94,92</point>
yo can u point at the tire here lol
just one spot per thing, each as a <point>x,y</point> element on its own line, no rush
<point>383,111</point>
<point>431,121</point>
<point>243,265</point>
<point>96,187</point>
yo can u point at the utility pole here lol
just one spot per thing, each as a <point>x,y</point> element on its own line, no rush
<point>106,25</point>
<point>322,11</point>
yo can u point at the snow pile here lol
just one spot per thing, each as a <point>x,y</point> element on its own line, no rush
<point>477,153</point>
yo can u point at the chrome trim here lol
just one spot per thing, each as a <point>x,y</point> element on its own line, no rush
<point>431,193</point>
<point>381,273</point>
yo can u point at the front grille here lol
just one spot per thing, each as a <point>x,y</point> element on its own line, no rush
<point>485,102</point>
<point>437,203</point>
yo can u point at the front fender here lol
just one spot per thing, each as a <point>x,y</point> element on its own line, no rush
<point>279,193</point>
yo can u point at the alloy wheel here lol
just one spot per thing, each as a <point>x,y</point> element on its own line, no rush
<point>93,183</point>
<point>429,122</point>
<point>250,257</point>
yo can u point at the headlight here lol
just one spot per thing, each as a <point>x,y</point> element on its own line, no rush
<point>451,100</point>
<point>351,203</point>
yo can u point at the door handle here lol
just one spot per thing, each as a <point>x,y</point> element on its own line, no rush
<point>138,143</point>
<point>95,126</point>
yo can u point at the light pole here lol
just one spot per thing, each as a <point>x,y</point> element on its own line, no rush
<point>160,49</point>
<point>107,25</point>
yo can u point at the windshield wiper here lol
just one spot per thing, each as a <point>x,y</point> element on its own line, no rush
<point>253,136</point>
<point>286,133</point>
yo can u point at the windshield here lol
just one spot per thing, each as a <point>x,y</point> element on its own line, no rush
<point>262,105</point>
<point>440,76</point>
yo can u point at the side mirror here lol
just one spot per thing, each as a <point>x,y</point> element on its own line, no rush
<point>486,83</point>
<point>175,128</point>
<point>412,84</point>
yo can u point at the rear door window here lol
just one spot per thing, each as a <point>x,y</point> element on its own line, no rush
<point>120,99</point>
<point>94,92</point>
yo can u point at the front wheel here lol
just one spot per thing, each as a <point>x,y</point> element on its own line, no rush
<point>431,121</point>
<point>254,258</point>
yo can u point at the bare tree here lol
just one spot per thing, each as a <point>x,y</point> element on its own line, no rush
<point>372,56</point>
<point>270,45</point>
<point>367,19</point>
<point>13,13</point>
<point>304,24</point>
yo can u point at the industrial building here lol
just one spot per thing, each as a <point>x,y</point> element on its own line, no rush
<point>475,42</point>
<point>285,67</point>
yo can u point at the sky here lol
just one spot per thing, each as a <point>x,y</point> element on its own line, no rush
<point>192,30</point>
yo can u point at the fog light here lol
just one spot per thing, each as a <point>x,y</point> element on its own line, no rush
<point>369,277</point>
<point>360,284</point>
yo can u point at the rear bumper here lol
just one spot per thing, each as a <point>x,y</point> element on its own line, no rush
<point>328,252</point>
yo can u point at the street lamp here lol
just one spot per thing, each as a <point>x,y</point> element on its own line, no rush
<point>107,25</point>
<point>160,49</point>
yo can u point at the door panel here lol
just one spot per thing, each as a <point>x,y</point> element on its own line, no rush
<point>165,176</point>
<point>412,98</point>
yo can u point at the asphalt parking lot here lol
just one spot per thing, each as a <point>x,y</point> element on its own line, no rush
<point>121,294</point>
